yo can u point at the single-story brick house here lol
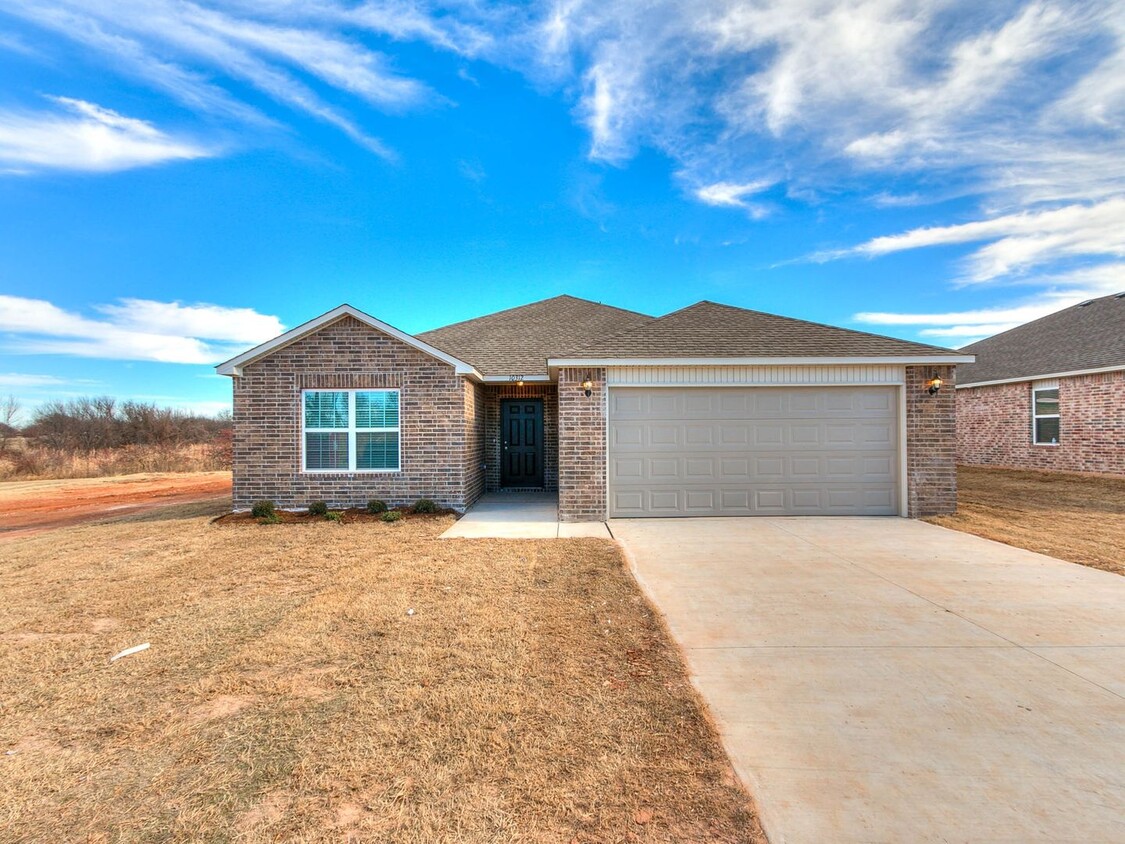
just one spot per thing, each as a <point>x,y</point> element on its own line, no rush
<point>710,410</point>
<point>1049,394</point>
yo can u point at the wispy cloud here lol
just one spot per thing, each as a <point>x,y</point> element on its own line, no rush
<point>134,329</point>
<point>82,136</point>
<point>285,50</point>
<point>1015,242</point>
<point>23,380</point>
<point>1060,291</point>
<point>733,195</point>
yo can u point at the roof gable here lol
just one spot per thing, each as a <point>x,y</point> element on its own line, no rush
<point>518,341</point>
<point>1086,336</point>
<point>707,330</point>
<point>235,364</point>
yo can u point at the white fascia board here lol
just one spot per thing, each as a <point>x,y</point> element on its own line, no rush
<point>512,379</point>
<point>235,364</point>
<point>918,360</point>
<point>1072,374</point>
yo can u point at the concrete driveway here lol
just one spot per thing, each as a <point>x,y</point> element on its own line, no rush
<point>889,680</point>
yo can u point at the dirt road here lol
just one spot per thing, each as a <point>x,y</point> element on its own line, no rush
<point>28,507</point>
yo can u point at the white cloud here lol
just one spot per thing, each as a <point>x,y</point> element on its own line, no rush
<point>84,136</point>
<point>192,334</point>
<point>732,195</point>
<point>22,380</point>
<point>212,322</point>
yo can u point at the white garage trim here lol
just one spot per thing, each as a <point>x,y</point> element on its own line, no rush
<point>879,379</point>
<point>750,376</point>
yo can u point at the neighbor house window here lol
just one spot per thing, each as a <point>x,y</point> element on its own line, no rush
<point>1045,415</point>
<point>351,431</point>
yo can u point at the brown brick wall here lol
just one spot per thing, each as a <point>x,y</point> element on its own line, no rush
<point>931,423</point>
<point>475,438</point>
<point>348,354</point>
<point>994,426</point>
<point>582,446</point>
<point>493,393</point>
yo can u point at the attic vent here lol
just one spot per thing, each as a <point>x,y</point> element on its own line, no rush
<point>1119,296</point>
<point>1084,304</point>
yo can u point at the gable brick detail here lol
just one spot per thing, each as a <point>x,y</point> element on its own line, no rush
<point>994,426</point>
<point>582,445</point>
<point>931,423</point>
<point>347,354</point>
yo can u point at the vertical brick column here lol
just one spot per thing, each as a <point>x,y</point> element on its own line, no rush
<point>582,446</point>
<point>931,443</point>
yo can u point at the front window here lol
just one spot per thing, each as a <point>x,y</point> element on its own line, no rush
<point>1045,415</point>
<point>351,431</point>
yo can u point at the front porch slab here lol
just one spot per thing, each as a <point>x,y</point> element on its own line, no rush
<point>521,515</point>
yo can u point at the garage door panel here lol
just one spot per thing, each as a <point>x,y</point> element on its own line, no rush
<point>753,451</point>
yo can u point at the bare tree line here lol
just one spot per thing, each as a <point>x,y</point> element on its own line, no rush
<point>101,435</point>
<point>99,422</point>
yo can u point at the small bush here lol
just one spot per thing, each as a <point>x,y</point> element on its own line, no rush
<point>318,508</point>
<point>425,505</point>
<point>270,519</point>
<point>391,516</point>
<point>262,509</point>
<point>334,516</point>
<point>376,506</point>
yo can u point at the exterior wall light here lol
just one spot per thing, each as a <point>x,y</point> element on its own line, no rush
<point>588,387</point>
<point>934,384</point>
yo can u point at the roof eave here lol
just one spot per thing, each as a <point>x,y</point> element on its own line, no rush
<point>233,367</point>
<point>1042,377</point>
<point>909,360</point>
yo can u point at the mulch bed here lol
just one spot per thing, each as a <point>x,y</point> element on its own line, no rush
<point>352,515</point>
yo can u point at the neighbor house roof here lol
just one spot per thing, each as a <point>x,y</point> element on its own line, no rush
<point>707,330</point>
<point>1080,338</point>
<point>518,341</point>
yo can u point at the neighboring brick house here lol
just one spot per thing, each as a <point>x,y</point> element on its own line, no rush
<point>710,410</point>
<point>1049,394</point>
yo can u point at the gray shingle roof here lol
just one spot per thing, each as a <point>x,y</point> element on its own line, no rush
<point>1086,336</point>
<point>518,341</point>
<point>709,330</point>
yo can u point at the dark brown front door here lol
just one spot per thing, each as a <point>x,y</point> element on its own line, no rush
<point>521,443</point>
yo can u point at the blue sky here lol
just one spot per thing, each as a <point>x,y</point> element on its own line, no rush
<point>179,181</point>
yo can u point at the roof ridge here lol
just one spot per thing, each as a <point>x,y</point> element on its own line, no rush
<point>740,310</point>
<point>529,305</point>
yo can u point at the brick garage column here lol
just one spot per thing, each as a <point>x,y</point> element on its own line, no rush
<point>582,446</point>
<point>931,443</point>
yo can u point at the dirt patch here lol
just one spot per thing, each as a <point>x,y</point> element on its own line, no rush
<point>224,706</point>
<point>1079,518</point>
<point>290,695</point>
<point>30,507</point>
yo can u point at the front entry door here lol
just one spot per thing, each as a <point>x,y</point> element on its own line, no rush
<point>521,443</point>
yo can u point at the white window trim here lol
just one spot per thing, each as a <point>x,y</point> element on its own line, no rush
<point>351,431</point>
<point>1035,417</point>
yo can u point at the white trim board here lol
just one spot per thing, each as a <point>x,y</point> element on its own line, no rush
<point>234,365</point>
<point>1072,374</point>
<point>916,360</point>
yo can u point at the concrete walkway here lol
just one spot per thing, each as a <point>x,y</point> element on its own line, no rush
<point>888,680</point>
<point>520,515</point>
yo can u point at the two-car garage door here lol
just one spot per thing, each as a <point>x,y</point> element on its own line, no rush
<point>736,451</point>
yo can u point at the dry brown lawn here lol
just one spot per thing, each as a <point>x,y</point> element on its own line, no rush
<point>289,694</point>
<point>1080,518</point>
